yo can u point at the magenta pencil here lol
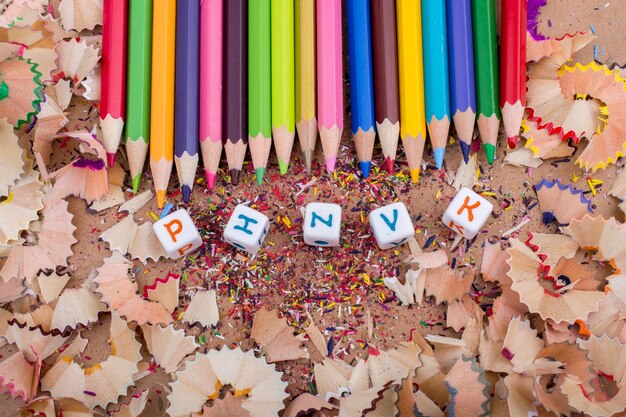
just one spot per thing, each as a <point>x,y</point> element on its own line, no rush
<point>329,78</point>
<point>211,48</point>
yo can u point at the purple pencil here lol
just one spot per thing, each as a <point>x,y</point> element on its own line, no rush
<point>235,107</point>
<point>186,96</point>
<point>461,61</point>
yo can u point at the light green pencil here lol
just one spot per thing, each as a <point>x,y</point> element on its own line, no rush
<point>138,87</point>
<point>283,81</point>
<point>259,85</point>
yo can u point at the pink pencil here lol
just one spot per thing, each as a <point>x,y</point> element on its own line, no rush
<point>211,24</point>
<point>329,78</point>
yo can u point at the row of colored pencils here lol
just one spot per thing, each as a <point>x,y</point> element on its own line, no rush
<point>224,74</point>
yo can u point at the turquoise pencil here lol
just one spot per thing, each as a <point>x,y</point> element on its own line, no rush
<point>436,80</point>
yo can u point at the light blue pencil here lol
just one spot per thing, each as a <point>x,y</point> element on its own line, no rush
<point>436,79</point>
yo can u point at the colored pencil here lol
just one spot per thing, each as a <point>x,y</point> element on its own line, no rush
<point>385,58</point>
<point>461,61</point>
<point>162,99</point>
<point>235,86</point>
<point>306,123</point>
<point>411,70</point>
<point>436,79</point>
<point>186,99</point>
<point>283,83</point>
<point>486,69</point>
<point>513,67</point>
<point>138,92</point>
<point>361,81</point>
<point>113,75</point>
<point>329,78</point>
<point>259,86</point>
<point>211,60</point>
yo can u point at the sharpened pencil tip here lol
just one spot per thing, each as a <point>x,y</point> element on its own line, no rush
<point>415,175</point>
<point>330,164</point>
<point>283,166</point>
<point>389,165</point>
<point>365,168</point>
<point>161,196</point>
<point>111,159</point>
<point>135,182</point>
<point>186,190</point>
<point>439,154</point>
<point>234,176</point>
<point>260,173</point>
<point>512,141</point>
<point>210,178</point>
<point>490,152</point>
<point>308,160</point>
<point>465,149</point>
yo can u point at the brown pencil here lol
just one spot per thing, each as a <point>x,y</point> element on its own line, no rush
<point>306,123</point>
<point>235,86</point>
<point>386,105</point>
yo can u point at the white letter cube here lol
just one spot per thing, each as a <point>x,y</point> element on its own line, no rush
<point>246,229</point>
<point>178,234</point>
<point>467,213</point>
<point>322,224</point>
<point>392,225</point>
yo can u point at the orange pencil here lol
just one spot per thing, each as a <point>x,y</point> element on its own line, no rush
<point>162,116</point>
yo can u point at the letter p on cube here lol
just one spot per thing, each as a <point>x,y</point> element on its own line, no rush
<point>178,234</point>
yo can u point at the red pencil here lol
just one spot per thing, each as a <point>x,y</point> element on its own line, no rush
<point>113,75</point>
<point>513,67</point>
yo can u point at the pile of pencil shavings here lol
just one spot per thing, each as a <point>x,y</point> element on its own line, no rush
<point>552,340</point>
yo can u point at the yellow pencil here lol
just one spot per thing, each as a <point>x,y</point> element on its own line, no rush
<point>162,116</point>
<point>306,123</point>
<point>411,70</point>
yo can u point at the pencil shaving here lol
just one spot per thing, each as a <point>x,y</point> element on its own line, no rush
<point>529,275</point>
<point>409,401</point>
<point>11,162</point>
<point>606,237</point>
<point>201,378</point>
<point>120,293</point>
<point>542,143</point>
<point>86,176</point>
<point>19,377</point>
<point>561,202</point>
<point>469,389</point>
<point>49,286</point>
<point>164,291</point>
<point>21,206</point>
<point>50,120</point>
<point>53,245</point>
<point>548,387</point>
<point>494,267</point>
<point>202,309</point>
<point>76,307</point>
<point>76,59</point>
<point>447,284</point>
<point>139,241</point>
<point>276,337</point>
<point>20,94</point>
<point>134,407</point>
<point>78,15</point>
<point>104,382</point>
<point>308,404</point>
<point>609,358</point>
<point>618,190</point>
<point>227,406</point>
<point>115,196</point>
<point>53,407</point>
<point>168,346</point>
